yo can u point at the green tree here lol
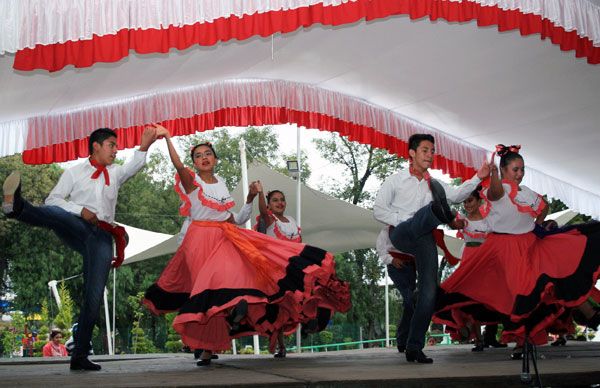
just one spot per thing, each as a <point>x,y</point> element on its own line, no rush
<point>64,318</point>
<point>30,257</point>
<point>173,344</point>
<point>139,341</point>
<point>11,341</point>
<point>361,161</point>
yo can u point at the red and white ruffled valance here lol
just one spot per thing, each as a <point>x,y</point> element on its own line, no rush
<point>63,136</point>
<point>52,35</point>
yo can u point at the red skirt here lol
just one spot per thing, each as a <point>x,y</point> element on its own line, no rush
<point>218,264</point>
<point>522,281</point>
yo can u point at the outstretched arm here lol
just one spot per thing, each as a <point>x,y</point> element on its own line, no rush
<point>186,179</point>
<point>263,208</point>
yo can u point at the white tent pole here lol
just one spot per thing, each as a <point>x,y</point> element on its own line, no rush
<point>244,166</point>
<point>107,318</point>
<point>114,304</point>
<point>299,185</point>
<point>52,286</point>
<point>298,218</point>
<point>387,309</point>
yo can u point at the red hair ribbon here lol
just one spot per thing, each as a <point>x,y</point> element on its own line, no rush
<point>502,150</point>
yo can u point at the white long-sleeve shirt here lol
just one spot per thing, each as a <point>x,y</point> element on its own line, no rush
<point>402,194</point>
<point>76,189</point>
<point>216,193</point>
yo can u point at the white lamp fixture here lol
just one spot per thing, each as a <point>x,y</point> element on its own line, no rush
<point>293,168</point>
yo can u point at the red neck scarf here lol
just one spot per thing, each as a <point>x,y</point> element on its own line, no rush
<point>100,169</point>
<point>419,175</point>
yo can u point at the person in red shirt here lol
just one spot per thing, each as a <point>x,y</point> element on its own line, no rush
<point>54,348</point>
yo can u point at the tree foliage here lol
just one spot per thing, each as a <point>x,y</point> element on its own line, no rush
<point>64,318</point>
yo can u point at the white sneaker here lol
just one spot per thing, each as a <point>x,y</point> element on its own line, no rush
<point>11,183</point>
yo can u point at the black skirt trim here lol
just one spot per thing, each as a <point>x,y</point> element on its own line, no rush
<point>530,307</point>
<point>207,299</point>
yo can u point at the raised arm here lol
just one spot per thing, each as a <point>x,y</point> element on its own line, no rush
<point>263,208</point>
<point>186,179</point>
<point>496,190</point>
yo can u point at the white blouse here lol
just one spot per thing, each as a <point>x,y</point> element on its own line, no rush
<point>475,230</point>
<point>210,202</point>
<point>515,212</point>
<point>284,230</point>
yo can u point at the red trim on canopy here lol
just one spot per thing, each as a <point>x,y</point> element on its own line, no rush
<point>112,48</point>
<point>245,116</point>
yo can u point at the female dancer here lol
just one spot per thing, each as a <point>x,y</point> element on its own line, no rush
<point>280,226</point>
<point>474,232</point>
<point>516,277</point>
<point>228,282</point>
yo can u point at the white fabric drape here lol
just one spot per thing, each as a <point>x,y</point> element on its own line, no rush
<point>187,102</point>
<point>13,135</point>
<point>580,15</point>
<point>10,17</point>
<point>27,23</point>
<point>59,21</point>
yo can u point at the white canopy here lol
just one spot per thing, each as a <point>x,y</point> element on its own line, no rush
<point>377,81</point>
<point>145,244</point>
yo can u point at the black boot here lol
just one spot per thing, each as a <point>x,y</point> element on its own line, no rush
<point>439,205</point>
<point>83,363</point>
<point>413,355</point>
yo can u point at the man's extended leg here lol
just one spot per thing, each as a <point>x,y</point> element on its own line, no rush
<point>421,223</point>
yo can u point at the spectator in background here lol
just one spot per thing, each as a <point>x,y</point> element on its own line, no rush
<point>54,348</point>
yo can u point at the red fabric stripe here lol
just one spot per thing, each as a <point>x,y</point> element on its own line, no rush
<point>245,116</point>
<point>111,48</point>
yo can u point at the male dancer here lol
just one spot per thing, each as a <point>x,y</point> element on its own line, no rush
<point>81,211</point>
<point>414,205</point>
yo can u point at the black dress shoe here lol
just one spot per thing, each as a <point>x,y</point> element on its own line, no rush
<point>517,354</point>
<point>439,205</point>
<point>417,356</point>
<point>560,341</point>
<point>401,348</point>
<point>83,363</point>
<point>494,344</point>
<point>477,348</point>
<point>280,354</point>
<point>203,362</point>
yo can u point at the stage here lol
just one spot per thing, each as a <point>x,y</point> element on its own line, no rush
<point>577,364</point>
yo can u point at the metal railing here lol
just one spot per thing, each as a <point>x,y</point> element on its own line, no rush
<point>446,340</point>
